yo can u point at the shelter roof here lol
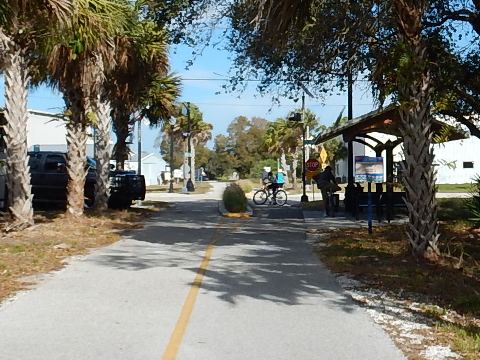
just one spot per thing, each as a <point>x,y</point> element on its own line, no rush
<point>385,120</point>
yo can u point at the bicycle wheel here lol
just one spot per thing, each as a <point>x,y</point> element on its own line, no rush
<point>281,197</point>
<point>260,197</point>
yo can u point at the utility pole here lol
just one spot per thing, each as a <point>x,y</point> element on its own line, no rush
<point>190,186</point>
<point>139,131</point>
<point>170,189</point>
<point>304,197</point>
<point>350,189</point>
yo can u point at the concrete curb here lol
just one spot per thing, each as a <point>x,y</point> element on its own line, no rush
<point>243,215</point>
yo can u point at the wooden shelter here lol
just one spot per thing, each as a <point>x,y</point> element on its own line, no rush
<point>387,121</point>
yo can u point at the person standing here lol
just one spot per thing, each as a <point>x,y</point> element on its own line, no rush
<point>326,182</point>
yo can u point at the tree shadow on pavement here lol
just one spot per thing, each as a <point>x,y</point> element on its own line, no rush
<point>261,258</point>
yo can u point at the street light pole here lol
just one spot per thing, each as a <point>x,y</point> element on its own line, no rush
<point>304,197</point>
<point>190,186</point>
<point>139,130</point>
<point>170,189</point>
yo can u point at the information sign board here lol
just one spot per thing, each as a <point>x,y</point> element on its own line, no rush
<point>368,169</point>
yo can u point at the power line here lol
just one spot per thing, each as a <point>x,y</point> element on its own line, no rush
<point>275,105</point>
<point>247,80</point>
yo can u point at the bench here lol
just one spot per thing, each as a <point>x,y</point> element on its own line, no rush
<point>391,200</point>
<point>380,201</point>
<point>361,201</point>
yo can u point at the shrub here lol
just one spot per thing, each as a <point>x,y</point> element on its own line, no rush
<point>234,198</point>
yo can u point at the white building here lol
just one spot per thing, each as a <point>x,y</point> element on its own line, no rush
<point>341,166</point>
<point>457,162</point>
<point>153,166</point>
<point>47,131</point>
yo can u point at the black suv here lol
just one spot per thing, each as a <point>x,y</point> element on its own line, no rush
<point>49,180</point>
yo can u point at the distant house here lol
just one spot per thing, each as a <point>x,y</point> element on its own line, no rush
<point>152,166</point>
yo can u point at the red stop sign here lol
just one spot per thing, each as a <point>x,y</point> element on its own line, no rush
<point>312,165</point>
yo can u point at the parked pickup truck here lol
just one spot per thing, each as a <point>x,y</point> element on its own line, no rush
<point>49,180</point>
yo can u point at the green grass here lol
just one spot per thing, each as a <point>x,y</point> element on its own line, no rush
<point>248,185</point>
<point>454,188</point>
<point>453,209</point>
<point>200,188</point>
<point>466,339</point>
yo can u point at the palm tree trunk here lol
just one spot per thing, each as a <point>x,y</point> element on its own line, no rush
<point>76,153</point>
<point>102,154</point>
<point>18,173</point>
<point>414,85</point>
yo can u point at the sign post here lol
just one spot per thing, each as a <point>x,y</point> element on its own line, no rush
<point>369,169</point>
<point>312,167</point>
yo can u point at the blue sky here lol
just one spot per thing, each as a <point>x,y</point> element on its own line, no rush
<point>218,109</point>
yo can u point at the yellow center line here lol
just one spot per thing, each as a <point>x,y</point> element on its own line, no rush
<point>187,308</point>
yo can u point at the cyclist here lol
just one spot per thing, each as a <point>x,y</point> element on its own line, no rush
<point>280,178</point>
<point>326,183</point>
<point>272,183</point>
<point>265,172</point>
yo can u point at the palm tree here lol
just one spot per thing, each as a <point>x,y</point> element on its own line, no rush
<point>272,140</point>
<point>22,27</point>
<point>75,67</point>
<point>140,85</point>
<point>414,89</point>
<point>200,131</point>
<point>285,138</point>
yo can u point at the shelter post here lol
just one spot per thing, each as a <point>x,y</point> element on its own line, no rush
<point>304,197</point>
<point>350,189</point>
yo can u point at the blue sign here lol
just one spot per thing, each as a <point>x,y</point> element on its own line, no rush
<point>368,169</point>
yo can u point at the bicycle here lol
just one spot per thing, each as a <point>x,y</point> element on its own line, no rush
<point>278,197</point>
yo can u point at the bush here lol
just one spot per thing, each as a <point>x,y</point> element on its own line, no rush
<point>234,198</point>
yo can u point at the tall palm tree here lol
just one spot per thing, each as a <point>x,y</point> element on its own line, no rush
<point>22,26</point>
<point>272,140</point>
<point>140,85</point>
<point>285,137</point>
<point>415,88</point>
<point>75,67</point>
<point>200,131</point>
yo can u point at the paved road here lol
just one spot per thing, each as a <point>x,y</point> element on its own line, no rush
<point>260,294</point>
